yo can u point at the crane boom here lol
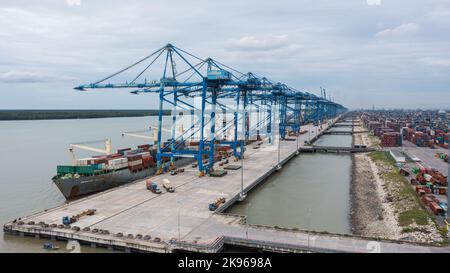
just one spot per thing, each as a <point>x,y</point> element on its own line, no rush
<point>83,146</point>
<point>137,135</point>
<point>162,129</point>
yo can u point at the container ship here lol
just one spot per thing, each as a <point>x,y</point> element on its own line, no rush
<point>98,173</point>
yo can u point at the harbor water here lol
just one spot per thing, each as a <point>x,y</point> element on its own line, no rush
<point>312,192</point>
<point>29,158</point>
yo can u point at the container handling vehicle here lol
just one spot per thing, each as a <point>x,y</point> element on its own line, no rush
<point>216,204</point>
<point>167,185</point>
<point>67,220</point>
<point>153,187</point>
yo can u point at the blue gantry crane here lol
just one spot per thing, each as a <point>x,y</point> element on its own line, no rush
<point>206,89</point>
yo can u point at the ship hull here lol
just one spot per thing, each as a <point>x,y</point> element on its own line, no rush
<point>86,185</point>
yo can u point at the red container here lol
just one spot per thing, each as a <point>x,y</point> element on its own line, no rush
<point>133,157</point>
<point>425,199</point>
<point>435,208</point>
<point>100,160</point>
<point>418,188</point>
<point>136,168</point>
<point>144,146</point>
<point>148,162</point>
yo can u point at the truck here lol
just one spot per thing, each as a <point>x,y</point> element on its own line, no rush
<point>416,159</point>
<point>167,185</point>
<point>67,220</point>
<point>216,204</point>
<point>152,186</point>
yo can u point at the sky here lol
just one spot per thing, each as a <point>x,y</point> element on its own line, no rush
<point>386,53</point>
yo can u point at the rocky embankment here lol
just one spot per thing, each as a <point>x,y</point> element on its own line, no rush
<point>382,204</point>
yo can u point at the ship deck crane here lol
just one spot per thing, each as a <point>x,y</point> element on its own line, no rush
<point>84,146</point>
<point>138,135</point>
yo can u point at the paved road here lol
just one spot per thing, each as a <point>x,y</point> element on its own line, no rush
<point>426,155</point>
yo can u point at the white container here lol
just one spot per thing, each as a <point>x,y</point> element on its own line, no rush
<point>135,162</point>
<point>82,161</point>
<point>117,161</point>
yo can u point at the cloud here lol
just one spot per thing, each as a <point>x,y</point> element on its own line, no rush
<point>404,29</point>
<point>440,15</point>
<point>373,2</point>
<point>73,2</point>
<point>437,61</point>
<point>251,43</point>
<point>321,45</point>
<point>30,77</point>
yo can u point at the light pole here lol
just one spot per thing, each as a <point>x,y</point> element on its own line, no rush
<point>242,195</point>
<point>279,148</point>
<point>179,234</point>
<point>309,226</point>
<point>279,141</point>
<point>448,183</point>
<point>309,132</point>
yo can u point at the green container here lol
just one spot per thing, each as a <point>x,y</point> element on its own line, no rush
<point>87,170</point>
<point>415,170</point>
<point>99,172</point>
<point>62,169</point>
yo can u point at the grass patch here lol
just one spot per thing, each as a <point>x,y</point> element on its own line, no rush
<point>443,232</point>
<point>417,212</point>
<point>382,156</point>
<point>419,216</point>
<point>415,229</point>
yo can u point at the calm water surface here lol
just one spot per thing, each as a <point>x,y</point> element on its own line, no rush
<point>312,192</point>
<point>30,151</point>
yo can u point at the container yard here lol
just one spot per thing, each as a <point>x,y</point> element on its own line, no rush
<point>421,128</point>
<point>418,142</point>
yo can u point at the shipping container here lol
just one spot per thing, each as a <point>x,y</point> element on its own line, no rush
<point>145,146</point>
<point>122,151</point>
<point>85,170</point>
<point>62,169</point>
<point>436,208</point>
<point>83,161</point>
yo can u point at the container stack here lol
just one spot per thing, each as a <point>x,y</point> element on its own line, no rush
<point>382,130</point>
<point>117,163</point>
<point>147,160</point>
<point>391,139</point>
<point>423,128</point>
<point>134,162</point>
